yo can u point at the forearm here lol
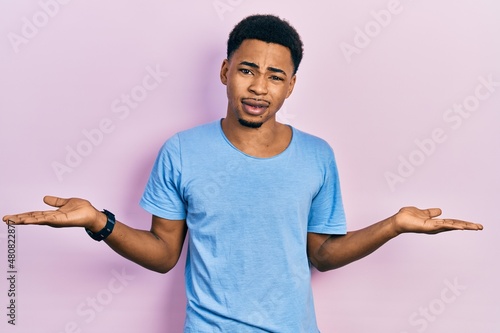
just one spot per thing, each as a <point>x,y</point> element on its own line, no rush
<point>157,249</point>
<point>141,246</point>
<point>329,252</point>
<point>337,251</point>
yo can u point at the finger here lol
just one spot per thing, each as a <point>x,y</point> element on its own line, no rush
<point>9,219</point>
<point>37,217</point>
<point>454,224</point>
<point>54,201</point>
<point>433,212</point>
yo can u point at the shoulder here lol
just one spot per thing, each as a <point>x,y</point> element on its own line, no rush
<point>311,142</point>
<point>199,133</point>
<point>194,141</point>
<point>210,128</point>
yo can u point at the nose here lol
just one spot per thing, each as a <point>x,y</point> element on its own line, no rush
<point>258,85</point>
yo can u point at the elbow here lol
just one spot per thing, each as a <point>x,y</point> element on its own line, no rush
<point>163,268</point>
<point>323,262</point>
<point>325,267</point>
<point>321,268</point>
<point>167,267</point>
<point>322,251</point>
<point>320,265</point>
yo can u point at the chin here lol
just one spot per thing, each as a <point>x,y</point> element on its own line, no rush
<point>250,124</point>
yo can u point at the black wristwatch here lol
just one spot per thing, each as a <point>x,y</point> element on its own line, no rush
<point>106,231</point>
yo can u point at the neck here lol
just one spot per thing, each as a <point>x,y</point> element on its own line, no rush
<point>268,140</point>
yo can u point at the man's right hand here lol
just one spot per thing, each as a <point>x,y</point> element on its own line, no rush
<point>73,212</point>
<point>158,249</point>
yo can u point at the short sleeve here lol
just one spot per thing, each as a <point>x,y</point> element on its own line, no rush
<point>162,196</point>
<point>327,211</point>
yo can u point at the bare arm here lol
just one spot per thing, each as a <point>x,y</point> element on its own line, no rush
<point>328,252</point>
<point>158,249</point>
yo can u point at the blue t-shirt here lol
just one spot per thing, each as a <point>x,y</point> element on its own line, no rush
<point>247,268</point>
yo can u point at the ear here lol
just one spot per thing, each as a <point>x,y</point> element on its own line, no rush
<point>223,71</point>
<point>291,85</point>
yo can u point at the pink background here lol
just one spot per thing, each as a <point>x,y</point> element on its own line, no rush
<point>65,66</point>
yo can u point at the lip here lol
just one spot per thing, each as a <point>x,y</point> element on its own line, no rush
<point>255,102</point>
<point>254,106</point>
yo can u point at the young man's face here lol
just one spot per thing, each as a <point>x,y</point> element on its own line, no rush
<point>259,77</point>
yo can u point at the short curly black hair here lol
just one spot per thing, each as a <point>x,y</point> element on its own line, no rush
<point>269,29</point>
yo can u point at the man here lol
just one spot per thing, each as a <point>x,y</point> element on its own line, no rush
<point>261,200</point>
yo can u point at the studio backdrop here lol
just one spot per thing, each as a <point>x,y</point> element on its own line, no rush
<point>406,92</point>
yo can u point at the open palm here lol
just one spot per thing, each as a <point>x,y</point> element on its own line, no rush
<point>73,212</point>
<point>411,219</point>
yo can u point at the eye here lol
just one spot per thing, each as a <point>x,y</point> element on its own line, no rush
<point>245,71</point>
<point>276,78</point>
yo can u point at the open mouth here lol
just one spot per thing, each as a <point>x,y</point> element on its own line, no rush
<point>254,107</point>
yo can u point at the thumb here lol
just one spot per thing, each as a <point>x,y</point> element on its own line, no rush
<point>55,201</point>
<point>433,212</point>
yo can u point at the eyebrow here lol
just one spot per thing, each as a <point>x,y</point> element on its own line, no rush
<point>254,65</point>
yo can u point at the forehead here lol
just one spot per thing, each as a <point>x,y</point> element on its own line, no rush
<point>263,53</point>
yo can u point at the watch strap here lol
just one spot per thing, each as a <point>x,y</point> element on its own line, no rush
<point>106,231</point>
